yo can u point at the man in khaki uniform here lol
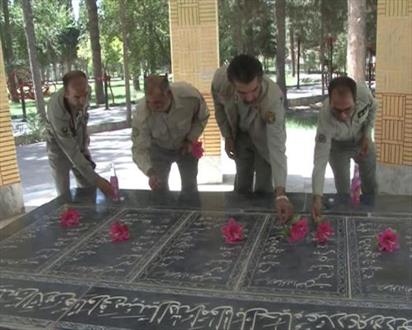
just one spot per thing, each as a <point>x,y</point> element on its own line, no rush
<point>67,138</point>
<point>251,117</point>
<point>167,121</point>
<point>344,132</point>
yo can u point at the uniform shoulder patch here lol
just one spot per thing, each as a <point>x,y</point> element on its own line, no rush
<point>321,138</point>
<point>270,117</point>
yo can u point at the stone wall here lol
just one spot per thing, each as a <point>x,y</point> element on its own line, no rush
<point>11,198</point>
<point>393,129</point>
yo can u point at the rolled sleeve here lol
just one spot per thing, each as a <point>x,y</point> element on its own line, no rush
<point>276,139</point>
<point>199,121</point>
<point>323,143</point>
<point>71,149</point>
<point>141,139</point>
<point>220,114</point>
<point>370,120</point>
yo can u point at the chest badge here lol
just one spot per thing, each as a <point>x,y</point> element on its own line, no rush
<point>270,117</point>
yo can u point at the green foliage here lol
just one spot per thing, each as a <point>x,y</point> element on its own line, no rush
<point>148,28</point>
<point>36,128</point>
<point>246,26</point>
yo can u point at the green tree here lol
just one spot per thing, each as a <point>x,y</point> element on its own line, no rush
<point>356,56</point>
<point>6,32</point>
<point>34,64</point>
<point>93,27</point>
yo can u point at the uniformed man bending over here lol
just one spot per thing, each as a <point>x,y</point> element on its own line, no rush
<point>344,132</point>
<point>166,122</point>
<point>251,117</point>
<point>67,137</point>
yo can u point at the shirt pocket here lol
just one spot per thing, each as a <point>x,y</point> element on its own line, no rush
<point>159,129</point>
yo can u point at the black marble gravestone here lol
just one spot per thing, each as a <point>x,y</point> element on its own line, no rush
<point>176,271</point>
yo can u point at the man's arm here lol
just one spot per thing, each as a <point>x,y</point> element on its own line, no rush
<point>370,120</point>
<point>220,114</point>
<point>67,143</point>
<point>199,122</point>
<point>141,139</point>
<point>276,139</point>
<point>323,142</point>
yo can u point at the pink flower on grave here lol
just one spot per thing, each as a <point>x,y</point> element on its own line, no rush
<point>197,150</point>
<point>70,218</point>
<point>298,230</point>
<point>119,232</point>
<point>324,231</point>
<point>232,231</point>
<point>388,240</point>
<point>355,187</point>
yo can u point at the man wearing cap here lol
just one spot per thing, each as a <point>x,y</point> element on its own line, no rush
<point>344,132</point>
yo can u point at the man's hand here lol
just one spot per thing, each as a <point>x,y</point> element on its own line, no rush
<point>316,208</point>
<point>230,148</point>
<point>154,181</point>
<point>186,148</point>
<point>105,186</point>
<point>284,208</point>
<point>364,147</point>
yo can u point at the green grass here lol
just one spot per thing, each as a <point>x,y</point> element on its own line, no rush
<point>300,119</point>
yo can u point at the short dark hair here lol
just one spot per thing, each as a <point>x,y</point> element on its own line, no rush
<point>342,83</point>
<point>244,68</point>
<point>71,75</point>
<point>156,81</point>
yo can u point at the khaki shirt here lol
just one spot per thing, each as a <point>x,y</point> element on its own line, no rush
<point>185,120</point>
<point>329,128</point>
<point>266,122</point>
<point>68,138</point>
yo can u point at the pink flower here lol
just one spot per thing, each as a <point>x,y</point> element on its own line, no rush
<point>119,232</point>
<point>298,230</point>
<point>324,231</point>
<point>197,150</point>
<point>356,187</point>
<point>70,218</point>
<point>388,240</point>
<point>232,231</point>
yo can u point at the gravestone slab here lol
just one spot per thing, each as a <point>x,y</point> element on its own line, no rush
<point>31,304</point>
<point>375,274</point>
<point>100,258</point>
<point>176,271</point>
<point>126,309</point>
<point>198,256</point>
<point>301,268</point>
<point>44,240</point>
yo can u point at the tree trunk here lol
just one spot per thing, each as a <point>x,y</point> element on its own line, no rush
<point>280,8</point>
<point>356,51</point>
<point>8,52</point>
<point>125,35</point>
<point>55,71</point>
<point>322,44</point>
<point>34,64</point>
<point>292,50</point>
<point>93,26</point>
